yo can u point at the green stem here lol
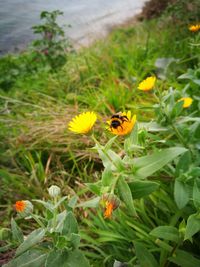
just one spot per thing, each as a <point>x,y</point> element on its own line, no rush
<point>179,136</point>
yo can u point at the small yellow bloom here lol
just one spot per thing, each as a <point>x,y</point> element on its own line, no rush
<point>187,101</point>
<point>83,123</point>
<point>121,123</point>
<point>194,28</point>
<point>147,84</point>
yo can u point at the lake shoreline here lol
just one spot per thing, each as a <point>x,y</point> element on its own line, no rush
<point>100,29</point>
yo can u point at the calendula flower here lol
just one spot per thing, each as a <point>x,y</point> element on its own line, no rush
<point>187,101</point>
<point>83,123</point>
<point>194,28</point>
<point>147,84</point>
<point>121,123</point>
<point>23,207</point>
<point>109,202</point>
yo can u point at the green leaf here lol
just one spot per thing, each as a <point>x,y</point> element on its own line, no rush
<point>125,195</point>
<point>141,189</point>
<point>193,226</point>
<point>166,232</point>
<point>31,258</point>
<point>75,240</point>
<point>95,187</point>
<point>31,240</point>
<point>110,142</point>
<point>107,177</point>
<point>196,193</point>
<point>72,202</point>
<point>132,141</point>
<point>183,163</point>
<point>184,259</point>
<point>16,232</point>
<point>181,194</point>
<point>109,158</point>
<point>47,205</point>
<point>148,165</point>
<point>70,224</point>
<point>91,203</point>
<point>146,259</point>
<point>66,259</point>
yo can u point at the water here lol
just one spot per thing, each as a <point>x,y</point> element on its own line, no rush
<point>89,19</point>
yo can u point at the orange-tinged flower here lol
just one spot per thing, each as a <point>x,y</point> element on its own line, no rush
<point>121,123</point>
<point>83,123</point>
<point>20,205</point>
<point>194,28</point>
<point>108,210</point>
<point>109,202</point>
<point>23,207</point>
<point>187,101</point>
<point>147,84</point>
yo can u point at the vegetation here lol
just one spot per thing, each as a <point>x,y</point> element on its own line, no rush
<point>135,197</point>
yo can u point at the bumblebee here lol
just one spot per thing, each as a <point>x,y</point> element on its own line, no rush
<point>117,120</point>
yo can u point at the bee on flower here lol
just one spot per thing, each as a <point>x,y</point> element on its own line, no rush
<point>121,123</point>
<point>147,84</point>
<point>83,123</point>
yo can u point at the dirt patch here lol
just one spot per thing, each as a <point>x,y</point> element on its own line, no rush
<point>6,256</point>
<point>154,8</point>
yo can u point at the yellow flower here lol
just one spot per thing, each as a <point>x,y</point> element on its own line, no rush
<point>121,123</point>
<point>147,84</point>
<point>83,123</point>
<point>194,28</point>
<point>187,101</point>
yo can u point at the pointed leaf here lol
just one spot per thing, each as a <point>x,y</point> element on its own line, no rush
<point>181,194</point>
<point>148,165</point>
<point>184,259</point>
<point>141,189</point>
<point>16,232</point>
<point>125,195</point>
<point>166,232</point>
<point>193,226</point>
<point>196,193</point>
<point>31,258</point>
<point>70,224</point>
<point>146,259</point>
<point>31,240</point>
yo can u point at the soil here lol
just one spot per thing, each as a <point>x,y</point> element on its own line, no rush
<point>6,256</point>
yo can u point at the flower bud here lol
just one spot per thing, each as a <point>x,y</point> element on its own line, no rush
<point>24,208</point>
<point>109,202</point>
<point>54,191</point>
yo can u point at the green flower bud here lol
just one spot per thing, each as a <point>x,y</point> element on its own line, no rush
<point>54,191</point>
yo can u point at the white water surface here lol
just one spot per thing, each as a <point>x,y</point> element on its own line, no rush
<point>89,19</point>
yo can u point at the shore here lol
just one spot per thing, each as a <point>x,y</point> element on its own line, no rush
<point>88,22</point>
